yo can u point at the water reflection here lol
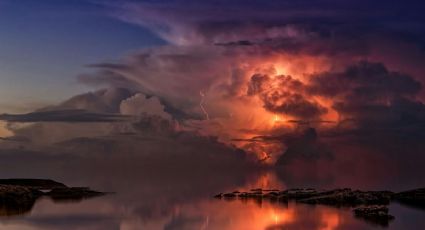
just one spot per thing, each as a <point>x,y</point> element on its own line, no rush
<point>273,216</point>
<point>182,200</point>
<point>13,210</point>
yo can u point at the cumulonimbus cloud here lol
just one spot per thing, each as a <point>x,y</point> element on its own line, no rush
<point>264,69</point>
<point>260,69</point>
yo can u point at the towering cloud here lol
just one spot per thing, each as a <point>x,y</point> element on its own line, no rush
<point>139,104</point>
<point>254,69</point>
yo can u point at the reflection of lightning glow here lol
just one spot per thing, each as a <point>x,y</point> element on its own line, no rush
<point>276,218</point>
<point>201,104</point>
<point>330,221</point>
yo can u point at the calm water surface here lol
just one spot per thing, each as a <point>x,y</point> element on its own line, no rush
<point>176,200</point>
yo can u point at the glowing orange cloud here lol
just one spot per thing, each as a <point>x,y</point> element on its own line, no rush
<point>243,116</point>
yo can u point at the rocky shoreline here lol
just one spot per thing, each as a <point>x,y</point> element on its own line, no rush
<point>370,206</point>
<point>18,196</point>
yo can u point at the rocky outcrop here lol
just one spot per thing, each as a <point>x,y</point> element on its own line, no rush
<point>72,193</point>
<point>18,196</point>
<point>414,197</point>
<point>348,197</point>
<point>376,214</point>
<point>16,199</point>
<point>367,205</point>
<point>335,197</point>
<point>41,184</point>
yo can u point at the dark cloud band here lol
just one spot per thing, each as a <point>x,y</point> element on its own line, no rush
<point>63,116</point>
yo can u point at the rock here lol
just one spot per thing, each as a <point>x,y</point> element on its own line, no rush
<point>40,184</point>
<point>368,205</point>
<point>348,197</point>
<point>297,194</point>
<point>243,195</point>
<point>414,197</point>
<point>18,196</point>
<point>16,200</point>
<point>377,214</point>
<point>335,197</point>
<point>272,194</point>
<point>72,193</point>
<point>230,196</point>
<point>219,196</point>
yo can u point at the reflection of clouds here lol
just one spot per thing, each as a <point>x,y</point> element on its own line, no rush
<point>65,222</point>
<point>235,215</point>
<point>146,191</point>
<point>367,159</point>
<point>266,179</point>
<point>330,220</point>
<point>151,199</point>
<point>309,218</point>
<point>229,215</point>
<point>4,132</point>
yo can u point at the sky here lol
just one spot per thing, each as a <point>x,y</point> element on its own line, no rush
<point>45,44</point>
<point>281,83</point>
<point>205,94</point>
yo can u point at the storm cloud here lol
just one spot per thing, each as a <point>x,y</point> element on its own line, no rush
<point>236,70</point>
<point>268,68</point>
<point>284,95</point>
<point>370,92</point>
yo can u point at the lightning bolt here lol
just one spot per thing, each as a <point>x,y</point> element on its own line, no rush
<point>201,104</point>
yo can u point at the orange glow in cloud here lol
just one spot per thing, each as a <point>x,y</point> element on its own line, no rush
<point>280,70</point>
<point>247,116</point>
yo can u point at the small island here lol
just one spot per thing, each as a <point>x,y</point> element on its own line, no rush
<point>371,206</point>
<point>18,196</point>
